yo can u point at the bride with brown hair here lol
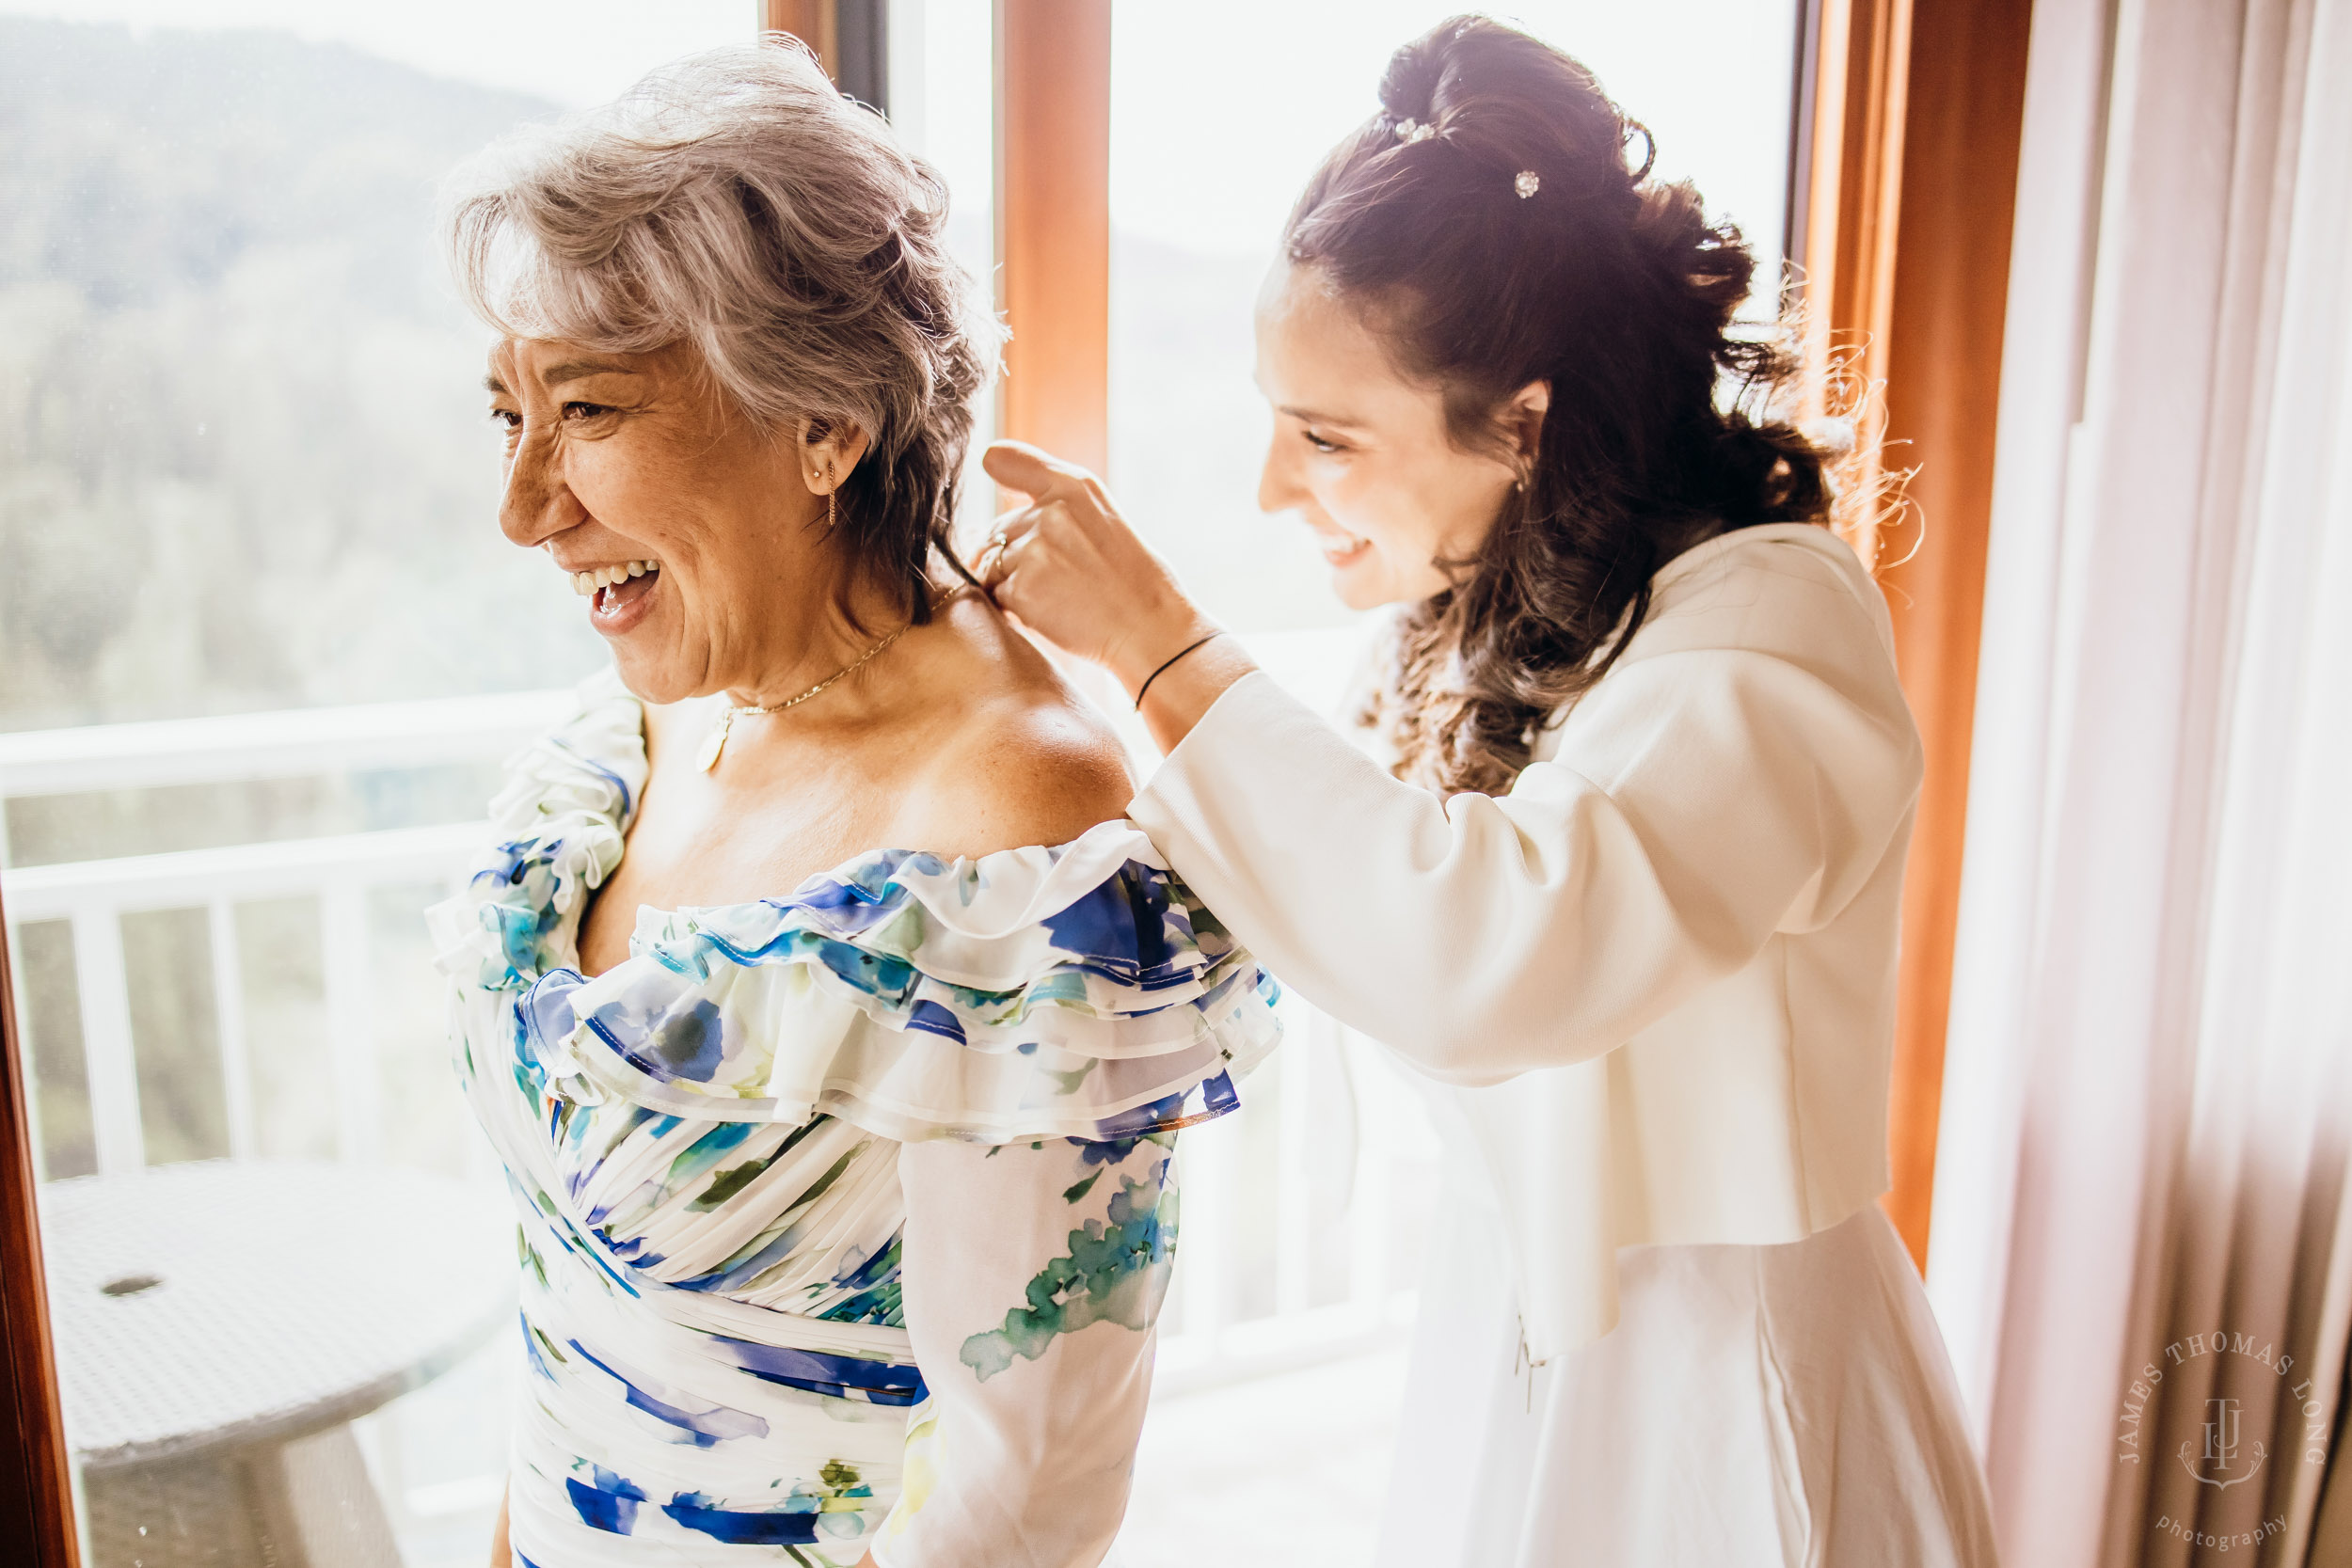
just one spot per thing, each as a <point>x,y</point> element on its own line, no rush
<point>1620,875</point>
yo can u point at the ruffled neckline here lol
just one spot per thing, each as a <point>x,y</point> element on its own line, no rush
<point>1074,990</point>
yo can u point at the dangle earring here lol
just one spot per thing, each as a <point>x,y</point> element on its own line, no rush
<point>833,502</point>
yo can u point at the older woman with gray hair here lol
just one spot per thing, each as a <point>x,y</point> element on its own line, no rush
<point>833,1027</point>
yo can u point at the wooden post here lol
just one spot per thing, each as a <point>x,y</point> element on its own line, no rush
<point>1916,111</point>
<point>1053,223</point>
<point>36,1490</point>
<point>810,21</point>
<point>1963,118</point>
<point>1854,185</point>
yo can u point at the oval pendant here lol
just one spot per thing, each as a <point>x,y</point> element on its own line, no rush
<point>716,741</point>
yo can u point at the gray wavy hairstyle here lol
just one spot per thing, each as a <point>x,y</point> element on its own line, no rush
<point>736,201</point>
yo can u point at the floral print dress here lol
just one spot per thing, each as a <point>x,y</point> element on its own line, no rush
<point>845,1216</point>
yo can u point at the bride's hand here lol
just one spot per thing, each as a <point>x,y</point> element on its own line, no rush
<point>1076,575</point>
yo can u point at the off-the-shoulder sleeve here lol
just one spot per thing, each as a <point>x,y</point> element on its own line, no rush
<point>1033,1278</point>
<point>1742,770</point>
<point>1072,991</point>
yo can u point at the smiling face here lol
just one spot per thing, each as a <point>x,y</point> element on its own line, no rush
<point>698,537</point>
<point>1363,455</point>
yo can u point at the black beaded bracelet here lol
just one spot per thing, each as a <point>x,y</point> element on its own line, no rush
<point>1163,669</point>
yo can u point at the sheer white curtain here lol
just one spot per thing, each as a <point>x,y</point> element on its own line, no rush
<point>2148,1100</point>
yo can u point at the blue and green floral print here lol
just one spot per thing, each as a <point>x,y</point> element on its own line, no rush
<point>813,1191</point>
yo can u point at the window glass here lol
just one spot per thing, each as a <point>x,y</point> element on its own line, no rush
<point>942,105</point>
<point>241,470</point>
<point>1219,111</point>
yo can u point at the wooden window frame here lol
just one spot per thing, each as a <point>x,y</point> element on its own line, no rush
<point>1910,114</point>
<point>850,38</point>
<point>1053,210</point>
<point>35,1485</point>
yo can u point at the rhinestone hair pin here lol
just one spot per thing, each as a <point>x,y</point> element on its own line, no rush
<point>1526,183</point>
<point>1411,131</point>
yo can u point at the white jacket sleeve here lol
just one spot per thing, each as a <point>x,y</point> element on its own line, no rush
<point>1705,794</point>
<point>1033,1274</point>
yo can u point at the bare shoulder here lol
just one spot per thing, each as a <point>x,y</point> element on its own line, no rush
<point>1022,758</point>
<point>1033,772</point>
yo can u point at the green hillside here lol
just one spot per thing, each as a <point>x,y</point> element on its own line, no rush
<point>242,458</point>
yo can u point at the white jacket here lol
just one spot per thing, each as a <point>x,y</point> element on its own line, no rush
<point>1659,973</point>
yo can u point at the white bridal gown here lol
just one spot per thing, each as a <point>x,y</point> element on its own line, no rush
<point>1652,988</point>
<point>1783,1405</point>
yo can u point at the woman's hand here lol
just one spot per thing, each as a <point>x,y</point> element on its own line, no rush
<point>1076,574</point>
<point>1073,572</point>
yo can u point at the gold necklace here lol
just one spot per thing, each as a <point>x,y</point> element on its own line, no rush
<point>716,741</point>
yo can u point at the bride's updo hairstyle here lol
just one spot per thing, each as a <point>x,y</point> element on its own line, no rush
<point>1610,285</point>
<point>735,200</point>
